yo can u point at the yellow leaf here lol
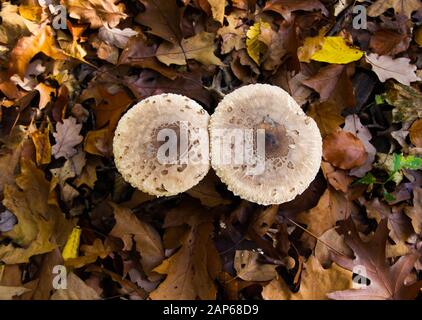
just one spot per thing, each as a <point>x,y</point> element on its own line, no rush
<point>71,248</point>
<point>257,41</point>
<point>41,140</point>
<point>336,50</point>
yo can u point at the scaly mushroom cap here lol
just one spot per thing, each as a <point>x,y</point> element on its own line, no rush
<point>161,145</point>
<point>282,146</point>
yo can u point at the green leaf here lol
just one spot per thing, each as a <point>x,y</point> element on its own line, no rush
<point>368,179</point>
<point>411,163</point>
<point>379,99</point>
<point>388,196</point>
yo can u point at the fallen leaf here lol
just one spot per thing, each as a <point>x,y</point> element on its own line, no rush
<point>96,12</point>
<point>415,212</point>
<point>416,133</point>
<point>27,47</point>
<point>407,102</point>
<point>148,241</point>
<point>41,227</point>
<point>8,293</point>
<point>116,37</point>
<point>328,80</point>
<point>199,47</point>
<point>90,254</point>
<point>233,33</point>
<point>386,282</point>
<point>326,243</point>
<point>188,275</point>
<point>399,69</point>
<point>41,140</point>
<point>332,207</point>
<point>344,150</point>
<point>327,115</point>
<point>207,193</point>
<point>355,126</point>
<point>248,267</point>
<point>337,51</point>
<point>67,137</point>
<point>163,17</point>
<point>258,40</point>
<point>404,7</point>
<point>316,283</point>
<point>77,289</point>
<point>217,8</point>
<point>310,46</point>
<point>286,7</point>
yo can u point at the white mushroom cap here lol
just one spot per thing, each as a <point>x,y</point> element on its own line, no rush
<point>292,145</point>
<point>144,143</point>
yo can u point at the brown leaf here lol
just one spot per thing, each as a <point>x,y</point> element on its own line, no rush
<point>27,47</point>
<point>404,7</point>
<point>327,115</point>
<point>264,220</point>
<point>344,150</point>
<point>41,227</point>
<point>148,241</point>
<point>387,282</point>
<point>332,207</point>
<point>415,212</point>
<point>207,193</point>
<point>329,80</point>
<point>139,54</point>
<point>96,12</point>
<point>416,133</point>
<point>77,289</point>
<point>248,267</point>
<point>41,140</point>
<point>286,7</point>
<point>188,275</point>
<point>67,137</point>
<point>164,18</point>
<point>316,283</point>
<point>389,42</point>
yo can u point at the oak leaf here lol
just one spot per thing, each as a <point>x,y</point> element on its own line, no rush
<point>116,37</point>
<point>404,7</point>
<point>415,212</point>
<point>67,137</point>
<point>148,242</point>
<point>96,12</point>
<point>188,270</point>
<point>41,227</point>
<point>8,293</point>
<point>399,69</point>
<point>217,8</point>
<point>407,102</point>
<point>386,282</point>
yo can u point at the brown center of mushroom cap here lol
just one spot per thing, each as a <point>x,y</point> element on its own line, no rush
<point>277,141</point>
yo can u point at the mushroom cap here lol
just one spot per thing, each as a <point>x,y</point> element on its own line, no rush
<point>291,141</point>
<point>148,133</point>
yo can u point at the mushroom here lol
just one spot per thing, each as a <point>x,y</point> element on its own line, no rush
<point>161,145</point>
<point>263,146</point>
